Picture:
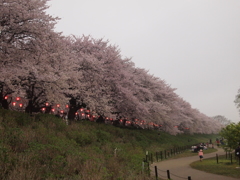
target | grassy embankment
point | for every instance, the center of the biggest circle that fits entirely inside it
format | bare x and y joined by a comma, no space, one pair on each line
44,147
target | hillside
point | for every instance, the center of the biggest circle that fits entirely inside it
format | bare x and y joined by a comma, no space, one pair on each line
44,147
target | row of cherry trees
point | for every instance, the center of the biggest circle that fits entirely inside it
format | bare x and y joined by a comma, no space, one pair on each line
42,66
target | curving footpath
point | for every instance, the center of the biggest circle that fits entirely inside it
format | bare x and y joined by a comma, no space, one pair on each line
180,168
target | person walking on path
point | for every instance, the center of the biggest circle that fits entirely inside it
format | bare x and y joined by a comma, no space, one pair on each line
200,154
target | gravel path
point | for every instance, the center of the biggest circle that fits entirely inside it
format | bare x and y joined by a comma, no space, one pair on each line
180,168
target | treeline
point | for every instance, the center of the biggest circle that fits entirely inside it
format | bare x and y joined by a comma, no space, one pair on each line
39,66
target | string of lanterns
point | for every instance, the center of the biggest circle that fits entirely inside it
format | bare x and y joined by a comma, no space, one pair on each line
83,113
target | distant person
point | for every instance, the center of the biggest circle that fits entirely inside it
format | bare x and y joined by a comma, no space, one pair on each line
200,154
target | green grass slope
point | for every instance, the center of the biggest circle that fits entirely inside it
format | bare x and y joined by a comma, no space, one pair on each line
44,147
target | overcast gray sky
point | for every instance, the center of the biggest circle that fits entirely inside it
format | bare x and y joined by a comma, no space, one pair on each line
194,45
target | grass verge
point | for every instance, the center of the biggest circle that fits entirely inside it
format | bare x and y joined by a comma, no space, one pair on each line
223,167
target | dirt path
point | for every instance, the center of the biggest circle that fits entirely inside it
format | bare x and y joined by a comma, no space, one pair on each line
180,168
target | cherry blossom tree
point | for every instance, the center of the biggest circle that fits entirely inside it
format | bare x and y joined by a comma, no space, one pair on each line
29,51
24,26
87,85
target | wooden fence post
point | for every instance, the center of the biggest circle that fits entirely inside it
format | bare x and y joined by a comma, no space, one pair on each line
168,174
146,156
156,173
151,157
148,169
